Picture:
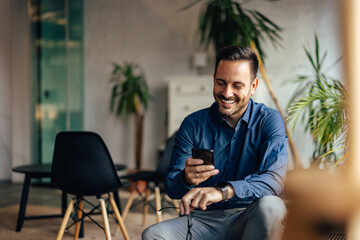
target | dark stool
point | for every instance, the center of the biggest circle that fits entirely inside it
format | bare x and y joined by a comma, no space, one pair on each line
38,171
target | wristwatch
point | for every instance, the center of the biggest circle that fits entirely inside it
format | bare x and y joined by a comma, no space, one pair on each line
224,188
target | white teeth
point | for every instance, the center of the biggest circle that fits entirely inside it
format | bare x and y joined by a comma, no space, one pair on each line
227,102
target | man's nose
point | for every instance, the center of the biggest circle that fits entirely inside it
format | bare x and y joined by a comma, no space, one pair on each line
228,92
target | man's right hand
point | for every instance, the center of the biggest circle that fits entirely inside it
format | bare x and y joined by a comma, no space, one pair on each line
196,173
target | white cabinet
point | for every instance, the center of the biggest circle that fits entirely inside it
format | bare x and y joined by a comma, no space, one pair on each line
187,94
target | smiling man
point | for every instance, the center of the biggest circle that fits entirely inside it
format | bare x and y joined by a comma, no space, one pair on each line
237,197
234,83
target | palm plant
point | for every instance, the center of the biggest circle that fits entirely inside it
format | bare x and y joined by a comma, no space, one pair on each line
226,22
321,103
130,96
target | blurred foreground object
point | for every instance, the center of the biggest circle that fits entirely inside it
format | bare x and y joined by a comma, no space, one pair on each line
319,203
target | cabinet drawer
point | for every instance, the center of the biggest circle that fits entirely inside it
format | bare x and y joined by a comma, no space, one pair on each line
185,106
186,95
191,89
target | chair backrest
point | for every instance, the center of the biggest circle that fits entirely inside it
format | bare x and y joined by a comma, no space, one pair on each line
164,162
82,165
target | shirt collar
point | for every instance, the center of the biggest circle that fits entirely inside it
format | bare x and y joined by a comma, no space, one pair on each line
246,116
217,116
215,113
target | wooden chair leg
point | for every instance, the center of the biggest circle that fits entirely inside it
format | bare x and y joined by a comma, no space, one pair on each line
105,219
79,216
146,205
65,220
158,204
118,217
128,204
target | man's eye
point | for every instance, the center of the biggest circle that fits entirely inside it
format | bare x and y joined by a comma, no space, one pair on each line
221,83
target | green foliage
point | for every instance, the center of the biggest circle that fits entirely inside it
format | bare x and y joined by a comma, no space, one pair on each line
225,22
130,94
322,104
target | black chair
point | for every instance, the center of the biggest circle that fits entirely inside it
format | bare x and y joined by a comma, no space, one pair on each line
82,166
148,177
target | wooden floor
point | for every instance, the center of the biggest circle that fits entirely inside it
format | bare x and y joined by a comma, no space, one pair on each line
43,195
11,193
40,195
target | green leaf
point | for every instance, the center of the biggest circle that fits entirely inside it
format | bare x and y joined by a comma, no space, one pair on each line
311,60
317,51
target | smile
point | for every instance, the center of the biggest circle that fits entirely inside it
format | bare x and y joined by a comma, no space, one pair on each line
227,101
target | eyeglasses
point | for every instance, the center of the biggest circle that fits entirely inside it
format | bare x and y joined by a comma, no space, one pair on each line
189,222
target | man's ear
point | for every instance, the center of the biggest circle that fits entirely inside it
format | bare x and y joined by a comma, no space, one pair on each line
254,86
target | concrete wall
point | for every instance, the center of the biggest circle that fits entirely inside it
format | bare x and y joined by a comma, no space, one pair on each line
15,88
162,39
21,87
5,89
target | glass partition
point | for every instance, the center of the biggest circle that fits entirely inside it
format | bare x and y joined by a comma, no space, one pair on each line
57,40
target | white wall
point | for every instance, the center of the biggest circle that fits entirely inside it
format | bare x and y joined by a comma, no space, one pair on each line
5,89
161,39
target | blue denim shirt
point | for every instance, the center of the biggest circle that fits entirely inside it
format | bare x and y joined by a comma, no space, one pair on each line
252,157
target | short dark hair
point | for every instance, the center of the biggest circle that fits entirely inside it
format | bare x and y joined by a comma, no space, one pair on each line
233,53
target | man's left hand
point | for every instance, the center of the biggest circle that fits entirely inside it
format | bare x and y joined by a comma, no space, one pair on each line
201,198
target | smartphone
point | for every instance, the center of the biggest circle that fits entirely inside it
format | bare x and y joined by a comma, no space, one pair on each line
207,155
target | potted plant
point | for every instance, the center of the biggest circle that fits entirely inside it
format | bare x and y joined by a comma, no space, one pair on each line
226,22
130,96
321,102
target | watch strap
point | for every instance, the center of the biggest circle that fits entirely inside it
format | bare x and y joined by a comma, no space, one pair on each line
224,188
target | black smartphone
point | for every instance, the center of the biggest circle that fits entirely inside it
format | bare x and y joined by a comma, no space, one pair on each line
207,155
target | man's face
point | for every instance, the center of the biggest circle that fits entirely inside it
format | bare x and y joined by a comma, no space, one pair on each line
233,87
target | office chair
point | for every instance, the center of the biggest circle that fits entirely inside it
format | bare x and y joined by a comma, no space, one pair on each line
155,177
82,166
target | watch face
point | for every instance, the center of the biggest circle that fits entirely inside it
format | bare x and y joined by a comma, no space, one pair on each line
221,185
